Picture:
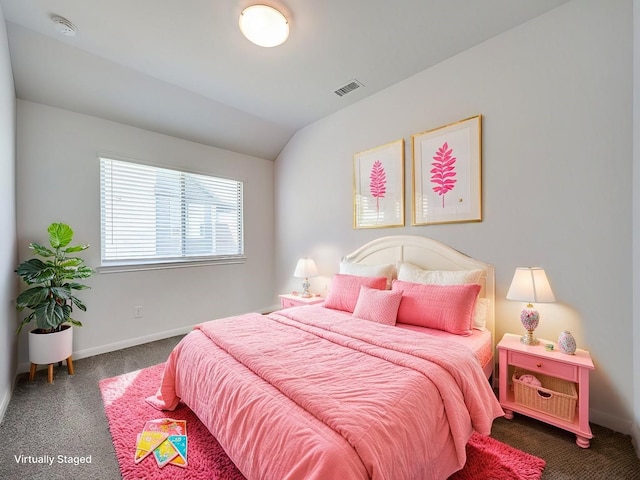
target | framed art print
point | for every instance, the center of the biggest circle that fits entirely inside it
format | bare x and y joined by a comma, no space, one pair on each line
447,173
378,186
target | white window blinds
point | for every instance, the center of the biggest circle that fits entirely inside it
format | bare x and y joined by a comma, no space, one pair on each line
156,215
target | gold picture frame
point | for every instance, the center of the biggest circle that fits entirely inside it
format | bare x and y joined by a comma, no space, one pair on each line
447,173
378,186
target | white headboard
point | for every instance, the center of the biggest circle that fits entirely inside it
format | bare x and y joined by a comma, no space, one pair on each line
428,254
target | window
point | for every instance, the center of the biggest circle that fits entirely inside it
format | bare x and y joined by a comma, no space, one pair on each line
152,215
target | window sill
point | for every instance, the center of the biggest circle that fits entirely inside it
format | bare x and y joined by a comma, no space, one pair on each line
138,267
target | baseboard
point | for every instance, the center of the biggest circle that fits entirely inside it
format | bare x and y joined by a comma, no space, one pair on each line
270,309
635,437
112,347
617,424
4,404
131,342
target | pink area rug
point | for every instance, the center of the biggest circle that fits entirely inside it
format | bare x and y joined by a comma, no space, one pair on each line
126,410
488,458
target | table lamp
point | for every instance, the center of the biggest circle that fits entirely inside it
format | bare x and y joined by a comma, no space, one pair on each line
305,268
530,284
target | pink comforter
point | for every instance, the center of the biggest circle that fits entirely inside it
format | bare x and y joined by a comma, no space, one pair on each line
312,393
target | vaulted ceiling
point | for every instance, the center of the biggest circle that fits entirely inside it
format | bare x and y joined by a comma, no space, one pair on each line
183,68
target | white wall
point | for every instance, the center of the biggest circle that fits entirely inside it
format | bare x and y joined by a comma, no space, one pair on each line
8,246
58,180
556,95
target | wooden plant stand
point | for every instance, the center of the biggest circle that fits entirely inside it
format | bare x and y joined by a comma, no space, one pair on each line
34,366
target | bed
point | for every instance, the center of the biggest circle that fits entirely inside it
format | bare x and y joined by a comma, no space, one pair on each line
316,392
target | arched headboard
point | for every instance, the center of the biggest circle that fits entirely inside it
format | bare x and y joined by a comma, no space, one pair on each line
428,254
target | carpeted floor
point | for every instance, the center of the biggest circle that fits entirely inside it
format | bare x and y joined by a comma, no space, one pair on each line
67,418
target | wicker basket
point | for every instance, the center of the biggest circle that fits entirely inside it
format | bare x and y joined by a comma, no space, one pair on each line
555,397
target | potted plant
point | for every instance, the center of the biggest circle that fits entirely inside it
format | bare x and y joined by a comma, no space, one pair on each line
51,297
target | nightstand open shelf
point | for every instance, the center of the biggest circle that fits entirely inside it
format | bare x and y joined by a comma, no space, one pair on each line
535,359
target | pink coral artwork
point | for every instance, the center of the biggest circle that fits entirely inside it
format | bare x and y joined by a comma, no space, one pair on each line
378,184
443,171
447,173
378,180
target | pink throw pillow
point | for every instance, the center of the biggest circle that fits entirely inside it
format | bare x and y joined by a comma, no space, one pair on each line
443,307
345,289
380,306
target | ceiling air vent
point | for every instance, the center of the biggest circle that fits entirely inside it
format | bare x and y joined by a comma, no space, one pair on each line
349,87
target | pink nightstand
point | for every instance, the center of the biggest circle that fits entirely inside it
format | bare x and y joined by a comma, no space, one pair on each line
288,300
535,359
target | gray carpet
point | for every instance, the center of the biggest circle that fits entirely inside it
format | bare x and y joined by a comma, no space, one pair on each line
67,419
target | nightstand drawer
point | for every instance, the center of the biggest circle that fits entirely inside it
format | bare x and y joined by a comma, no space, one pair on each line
287,302
544,365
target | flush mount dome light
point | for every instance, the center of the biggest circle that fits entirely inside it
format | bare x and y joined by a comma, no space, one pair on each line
264,26
64,26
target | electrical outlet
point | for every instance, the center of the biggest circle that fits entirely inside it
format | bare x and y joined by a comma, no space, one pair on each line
137,312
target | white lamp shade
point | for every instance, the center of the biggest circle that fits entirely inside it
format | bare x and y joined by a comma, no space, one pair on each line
305,268
531,285
263,25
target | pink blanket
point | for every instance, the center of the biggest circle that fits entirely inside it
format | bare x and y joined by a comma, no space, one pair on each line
312,393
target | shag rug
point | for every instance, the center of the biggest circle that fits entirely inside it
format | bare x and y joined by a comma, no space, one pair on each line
127,411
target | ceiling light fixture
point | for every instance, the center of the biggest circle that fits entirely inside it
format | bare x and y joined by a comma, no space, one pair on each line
265,26
64,26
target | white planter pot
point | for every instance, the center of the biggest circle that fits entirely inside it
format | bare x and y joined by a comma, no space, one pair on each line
46,348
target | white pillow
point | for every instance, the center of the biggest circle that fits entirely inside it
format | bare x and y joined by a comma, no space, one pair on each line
480,314
361,270
408,272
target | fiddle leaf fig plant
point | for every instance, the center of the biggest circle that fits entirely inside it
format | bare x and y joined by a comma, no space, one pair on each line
51,296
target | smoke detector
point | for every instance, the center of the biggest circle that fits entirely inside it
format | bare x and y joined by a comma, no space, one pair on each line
64,26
